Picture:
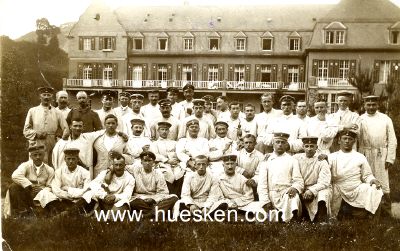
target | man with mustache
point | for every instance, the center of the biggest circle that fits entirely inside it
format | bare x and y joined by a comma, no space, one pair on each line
152,109
137,142
166,116
187,104
42,122
136,103
62,102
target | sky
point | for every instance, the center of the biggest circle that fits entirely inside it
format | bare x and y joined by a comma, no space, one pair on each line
18,17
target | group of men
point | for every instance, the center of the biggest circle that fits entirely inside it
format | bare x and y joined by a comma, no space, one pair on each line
174,155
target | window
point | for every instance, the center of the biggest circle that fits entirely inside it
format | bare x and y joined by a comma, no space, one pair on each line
138,43
294,44
212,72
267,44
266,73
162,72
384,71
329,37
87,44
239,73
339,37
162,44
188,44
107,72
323,69
240,44
107,43
293,73
394,37
187,72
87,71
214,44
137,72
334,37
344,68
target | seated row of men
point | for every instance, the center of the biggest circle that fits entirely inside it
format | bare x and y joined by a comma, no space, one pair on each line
310,184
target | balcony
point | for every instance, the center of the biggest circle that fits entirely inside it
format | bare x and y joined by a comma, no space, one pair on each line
201,85
332,82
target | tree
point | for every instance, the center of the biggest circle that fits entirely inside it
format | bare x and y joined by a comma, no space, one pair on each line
364,82
44,30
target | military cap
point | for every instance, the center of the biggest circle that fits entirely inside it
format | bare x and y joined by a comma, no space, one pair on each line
156,90
309,140
350,133
223,123
208,98
188,86
107,94
71,151
192,122
371,98
164,102
164,124
136,121
36,147
229,157
45,89
287,98
125,94
198,102
281,135
344,94
147,154
137,96
173,89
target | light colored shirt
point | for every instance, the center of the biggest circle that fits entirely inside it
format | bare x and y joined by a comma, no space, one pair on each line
207,129
69,185
25,175
187,148
263,120
234,188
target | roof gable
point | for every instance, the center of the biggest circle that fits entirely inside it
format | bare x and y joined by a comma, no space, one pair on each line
335,26
214,34
267,34
163,35
294,34
188,34
240,35
395,26
136,34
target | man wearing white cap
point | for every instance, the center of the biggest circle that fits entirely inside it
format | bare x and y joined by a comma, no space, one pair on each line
62,102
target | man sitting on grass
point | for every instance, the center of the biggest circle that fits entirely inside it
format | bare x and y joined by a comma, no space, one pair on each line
317,178
356,192
200,189
31,185
280,181
151,190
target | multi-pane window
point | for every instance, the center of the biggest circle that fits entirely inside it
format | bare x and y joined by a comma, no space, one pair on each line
384,71
138,43
266,73
188,44
339,37
323,69
212,72
214,44
107,43
162,44
344,68
137,72
162,72
87,44
293,73
87,71
334,37
239,73
267,44
329,37
240,44
187,72
107,72
394,37
294,44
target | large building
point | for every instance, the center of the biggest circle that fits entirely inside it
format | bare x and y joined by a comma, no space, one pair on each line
238,51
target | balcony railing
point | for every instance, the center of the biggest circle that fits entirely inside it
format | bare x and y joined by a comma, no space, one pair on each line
210,85
333,82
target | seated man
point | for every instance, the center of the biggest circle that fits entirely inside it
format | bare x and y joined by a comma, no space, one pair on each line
280,181
200,189
113,187
317,178
220,146
70,182
137,142
31,185
236,193
168,162
151,190
356,192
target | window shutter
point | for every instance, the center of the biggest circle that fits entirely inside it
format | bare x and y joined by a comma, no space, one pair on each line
220,72
100,71
130,66
353,67
205,72
195,78
79,72
100,43
393,72
80,43
144,72
285,73
247,73
113,43
231,73
115,71
335,68
169,71
301,73
154,72
257,73
274,70
331,66
315,68
93,43
179,72
94,71
376,71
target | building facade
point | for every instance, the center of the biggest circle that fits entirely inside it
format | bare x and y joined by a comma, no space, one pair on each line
240,52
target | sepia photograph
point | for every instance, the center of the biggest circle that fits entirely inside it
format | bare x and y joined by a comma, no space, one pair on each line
200,125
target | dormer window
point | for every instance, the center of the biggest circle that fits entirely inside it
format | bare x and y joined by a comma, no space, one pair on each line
267,41
294,41
335,33
394,33
240,41
163,41
188,41
214,41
